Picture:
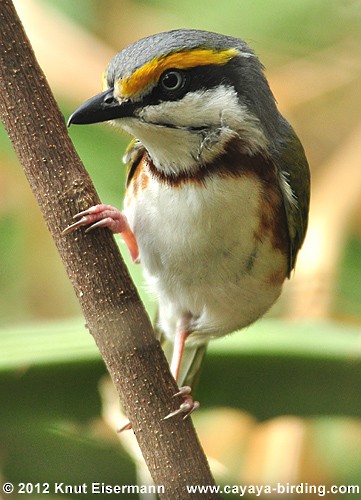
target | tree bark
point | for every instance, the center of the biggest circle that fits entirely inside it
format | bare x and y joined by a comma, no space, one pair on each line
113,311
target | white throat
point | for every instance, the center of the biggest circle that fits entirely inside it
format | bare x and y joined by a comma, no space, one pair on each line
181,135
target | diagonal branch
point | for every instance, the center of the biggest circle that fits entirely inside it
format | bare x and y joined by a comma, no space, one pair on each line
114,314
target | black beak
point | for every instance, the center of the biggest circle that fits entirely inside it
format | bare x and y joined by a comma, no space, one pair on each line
101,108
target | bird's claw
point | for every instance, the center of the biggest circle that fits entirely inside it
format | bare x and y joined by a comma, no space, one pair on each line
185,390
88,211
74,226
100,216
187,407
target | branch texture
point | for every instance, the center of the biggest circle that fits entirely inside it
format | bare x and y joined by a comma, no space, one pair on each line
113,311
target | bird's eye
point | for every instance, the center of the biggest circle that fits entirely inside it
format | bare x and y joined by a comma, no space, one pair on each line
172,80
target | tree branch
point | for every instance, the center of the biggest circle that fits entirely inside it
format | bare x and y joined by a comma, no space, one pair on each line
114,314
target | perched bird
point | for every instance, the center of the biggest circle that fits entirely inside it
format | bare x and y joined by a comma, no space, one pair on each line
218,184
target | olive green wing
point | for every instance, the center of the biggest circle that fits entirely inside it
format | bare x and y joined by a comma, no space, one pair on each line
294,178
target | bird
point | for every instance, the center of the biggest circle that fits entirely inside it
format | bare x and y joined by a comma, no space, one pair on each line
217,191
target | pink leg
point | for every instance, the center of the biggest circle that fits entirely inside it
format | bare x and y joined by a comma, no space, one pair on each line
106,216
188,405
181,336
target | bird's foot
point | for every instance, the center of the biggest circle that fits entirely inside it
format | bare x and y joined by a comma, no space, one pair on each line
106,216
187,407
99,216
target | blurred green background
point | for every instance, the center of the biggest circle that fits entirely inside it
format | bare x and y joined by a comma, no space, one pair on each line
280,402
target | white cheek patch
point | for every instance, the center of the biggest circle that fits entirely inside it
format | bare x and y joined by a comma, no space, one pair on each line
169,130
197,109
216,109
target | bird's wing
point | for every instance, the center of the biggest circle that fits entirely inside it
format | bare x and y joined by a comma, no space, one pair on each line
294,178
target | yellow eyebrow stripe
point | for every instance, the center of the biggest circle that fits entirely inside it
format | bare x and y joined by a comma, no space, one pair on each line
150,72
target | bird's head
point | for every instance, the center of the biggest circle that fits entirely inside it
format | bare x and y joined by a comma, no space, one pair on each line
185,94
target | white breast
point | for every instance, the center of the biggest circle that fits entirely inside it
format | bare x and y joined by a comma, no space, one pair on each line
199,253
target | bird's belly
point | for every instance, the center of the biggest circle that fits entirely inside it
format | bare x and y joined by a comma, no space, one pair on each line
202,253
